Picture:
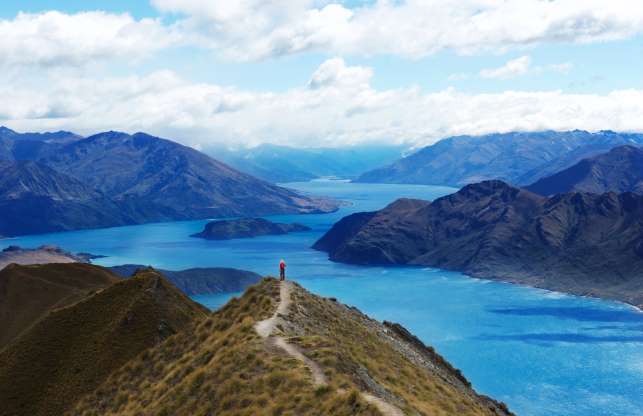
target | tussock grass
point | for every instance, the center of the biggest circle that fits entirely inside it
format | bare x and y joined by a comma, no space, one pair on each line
352,348
221,367
73,350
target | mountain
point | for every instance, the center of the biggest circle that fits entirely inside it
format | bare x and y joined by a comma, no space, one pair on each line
246,228
29,293
72,350
259,356
619,170
35,198
288,164
518,158
113,179
199,281
32,146
169,180
580,243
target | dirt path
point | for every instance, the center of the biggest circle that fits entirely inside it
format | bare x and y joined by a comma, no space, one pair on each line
385,408
265,329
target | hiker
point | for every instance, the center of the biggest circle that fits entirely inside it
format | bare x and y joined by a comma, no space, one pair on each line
282,270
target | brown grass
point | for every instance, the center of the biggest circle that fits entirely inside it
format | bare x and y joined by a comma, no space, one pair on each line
71,351
347,345
221,367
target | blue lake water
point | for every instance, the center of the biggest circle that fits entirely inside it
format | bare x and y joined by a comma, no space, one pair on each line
541,352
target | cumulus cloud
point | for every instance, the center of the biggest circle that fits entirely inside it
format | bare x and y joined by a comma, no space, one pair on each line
338,106
255,29
334,72
514,67
53,38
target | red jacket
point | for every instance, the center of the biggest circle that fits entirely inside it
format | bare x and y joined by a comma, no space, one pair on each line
282,265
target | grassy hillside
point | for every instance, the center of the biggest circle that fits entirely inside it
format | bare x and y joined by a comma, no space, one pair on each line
28,293
72,350
224,367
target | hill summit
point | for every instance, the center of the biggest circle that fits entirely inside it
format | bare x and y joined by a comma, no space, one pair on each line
140,347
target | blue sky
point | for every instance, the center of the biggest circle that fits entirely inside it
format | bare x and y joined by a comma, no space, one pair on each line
208,70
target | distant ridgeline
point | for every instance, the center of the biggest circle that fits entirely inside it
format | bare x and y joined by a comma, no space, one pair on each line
287,164
97,344
517,158
60,181
577,242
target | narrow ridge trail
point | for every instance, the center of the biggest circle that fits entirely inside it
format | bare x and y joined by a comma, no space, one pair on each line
265,329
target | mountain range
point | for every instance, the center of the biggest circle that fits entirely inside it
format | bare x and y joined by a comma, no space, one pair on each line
519,158
139,346
619,170
580,243
113,178
281,164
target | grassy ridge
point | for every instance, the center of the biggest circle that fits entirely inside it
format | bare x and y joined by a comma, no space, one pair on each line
72,350
374,357
28,293
221,367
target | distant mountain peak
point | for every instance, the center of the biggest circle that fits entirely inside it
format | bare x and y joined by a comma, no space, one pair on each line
519,158
619,170
6,130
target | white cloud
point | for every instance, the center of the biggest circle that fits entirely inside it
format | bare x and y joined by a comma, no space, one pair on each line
513,68
53,38
342,109
335,73
255,29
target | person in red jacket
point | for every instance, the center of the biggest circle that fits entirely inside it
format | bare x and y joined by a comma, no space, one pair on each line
282,270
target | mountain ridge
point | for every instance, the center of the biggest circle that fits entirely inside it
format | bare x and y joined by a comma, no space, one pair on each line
619,170
113,179
579,243
519,158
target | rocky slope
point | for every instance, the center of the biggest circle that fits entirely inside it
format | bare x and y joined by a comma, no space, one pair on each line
73,349
200,281
517,158
113,179
619,170
32,146
246,228
224,367
29,293
585,244
175,181
35,198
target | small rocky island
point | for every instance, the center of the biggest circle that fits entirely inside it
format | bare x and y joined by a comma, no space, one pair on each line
246,228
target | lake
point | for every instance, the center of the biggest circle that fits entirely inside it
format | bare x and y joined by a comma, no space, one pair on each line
543,353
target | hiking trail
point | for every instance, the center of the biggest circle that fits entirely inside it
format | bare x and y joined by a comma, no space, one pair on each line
265,329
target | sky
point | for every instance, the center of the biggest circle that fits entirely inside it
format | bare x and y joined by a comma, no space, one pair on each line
311,73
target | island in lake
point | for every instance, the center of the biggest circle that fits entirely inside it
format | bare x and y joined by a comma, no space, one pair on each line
246,228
